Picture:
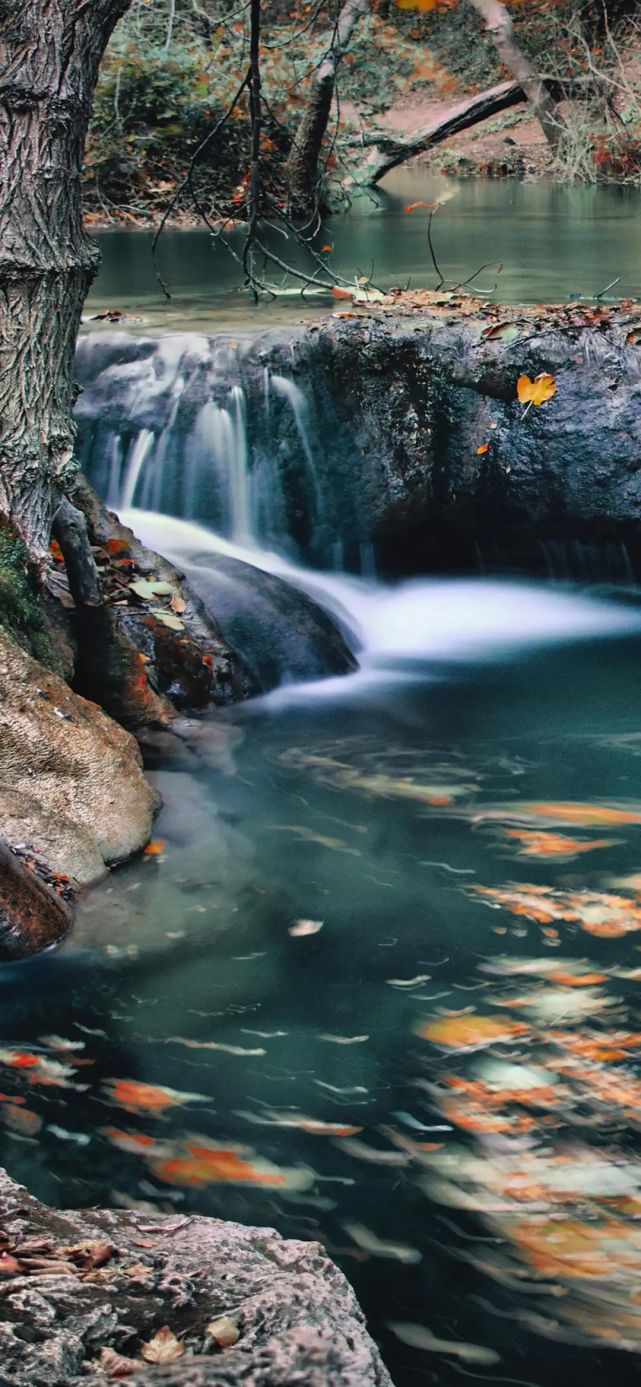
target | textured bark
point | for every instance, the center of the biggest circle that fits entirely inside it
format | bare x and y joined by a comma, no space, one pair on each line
302,165
50,51
386,151
70,530
501,30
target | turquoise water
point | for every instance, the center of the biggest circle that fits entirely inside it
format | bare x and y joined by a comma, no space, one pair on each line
553,242
378,985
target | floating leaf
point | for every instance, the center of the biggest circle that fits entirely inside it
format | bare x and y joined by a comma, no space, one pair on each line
155,847
458,1032
304,927
138,1097
484,448
163,1348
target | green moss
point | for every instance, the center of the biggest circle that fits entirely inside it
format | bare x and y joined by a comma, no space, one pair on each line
19,611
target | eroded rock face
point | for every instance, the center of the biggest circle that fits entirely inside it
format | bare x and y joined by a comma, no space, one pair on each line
32,917
71,786
363,434
114,1279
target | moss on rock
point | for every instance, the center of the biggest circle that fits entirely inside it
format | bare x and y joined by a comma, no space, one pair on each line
19,611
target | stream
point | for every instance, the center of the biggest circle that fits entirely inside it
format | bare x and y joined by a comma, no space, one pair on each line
375,982
554,243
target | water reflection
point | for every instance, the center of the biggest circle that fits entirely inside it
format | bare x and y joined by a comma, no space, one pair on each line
554,243
379,988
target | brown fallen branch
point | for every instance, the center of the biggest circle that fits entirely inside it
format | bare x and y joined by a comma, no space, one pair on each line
385,151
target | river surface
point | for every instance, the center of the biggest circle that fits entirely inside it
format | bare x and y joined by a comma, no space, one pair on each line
377,981
554,243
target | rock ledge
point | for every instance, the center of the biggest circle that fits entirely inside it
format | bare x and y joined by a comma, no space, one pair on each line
73,1284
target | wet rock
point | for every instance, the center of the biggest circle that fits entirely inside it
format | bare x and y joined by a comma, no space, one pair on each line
363,434
137,667
297,1317
279,632
32,917
71,786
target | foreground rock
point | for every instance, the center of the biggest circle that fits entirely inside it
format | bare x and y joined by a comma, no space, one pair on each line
280,634
72,789
79,1288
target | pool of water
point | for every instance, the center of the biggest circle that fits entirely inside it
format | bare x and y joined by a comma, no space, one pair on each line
554,243
377,984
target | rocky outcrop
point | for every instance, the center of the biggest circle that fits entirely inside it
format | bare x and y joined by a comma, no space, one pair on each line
400,432
82,1291
72,789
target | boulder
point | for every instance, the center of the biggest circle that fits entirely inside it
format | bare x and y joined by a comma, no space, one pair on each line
98,1283
72,789
32,917
280,634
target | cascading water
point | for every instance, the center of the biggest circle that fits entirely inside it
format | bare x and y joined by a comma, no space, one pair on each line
200,428
139,452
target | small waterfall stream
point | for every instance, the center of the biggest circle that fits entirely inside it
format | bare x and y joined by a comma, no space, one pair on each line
201,429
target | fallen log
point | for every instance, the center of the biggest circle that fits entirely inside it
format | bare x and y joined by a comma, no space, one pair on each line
386,151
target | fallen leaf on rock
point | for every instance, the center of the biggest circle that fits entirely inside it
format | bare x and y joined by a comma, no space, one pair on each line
163,1348
92,1252
537,391
115,1365
224,1330
144,588
177,603
167,618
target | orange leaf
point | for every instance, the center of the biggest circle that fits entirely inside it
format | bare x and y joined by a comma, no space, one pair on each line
459,1032
484,448
411,206
155,847
341,293
535,392
326,248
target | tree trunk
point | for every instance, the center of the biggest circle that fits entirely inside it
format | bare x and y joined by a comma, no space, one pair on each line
302,165
500,28
50,52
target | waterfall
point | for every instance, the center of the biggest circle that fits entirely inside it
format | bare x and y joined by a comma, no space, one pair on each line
241,528
139,452
202,428
401,627
291,392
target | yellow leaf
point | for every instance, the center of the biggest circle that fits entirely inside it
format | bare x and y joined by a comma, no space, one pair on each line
535,392
484,448
163,1348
